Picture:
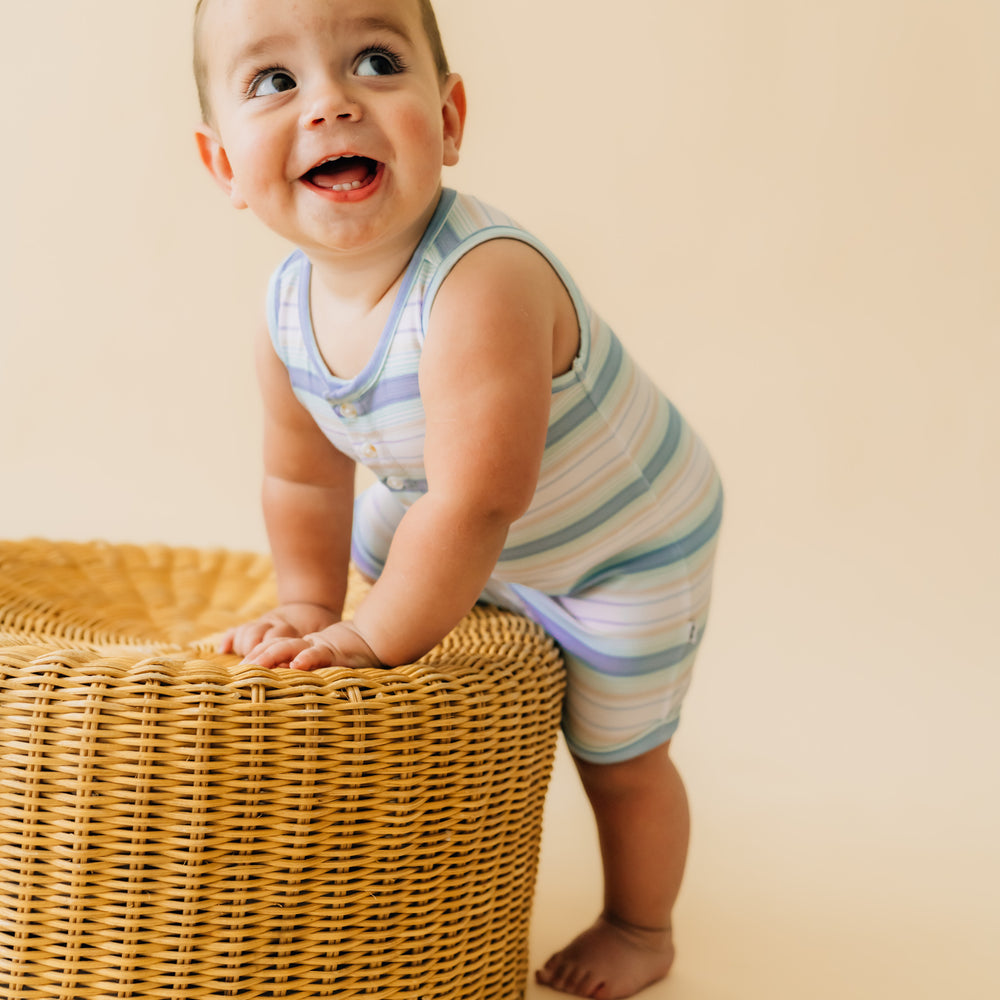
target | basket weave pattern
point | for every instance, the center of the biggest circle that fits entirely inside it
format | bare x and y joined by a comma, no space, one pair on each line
173,824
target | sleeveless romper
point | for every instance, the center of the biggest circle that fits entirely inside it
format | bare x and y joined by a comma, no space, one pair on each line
614,556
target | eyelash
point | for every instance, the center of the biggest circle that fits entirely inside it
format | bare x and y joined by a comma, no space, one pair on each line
384,50
400,64
254,79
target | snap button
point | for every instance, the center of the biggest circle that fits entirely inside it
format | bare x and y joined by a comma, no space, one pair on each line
395,482
348,411
369,451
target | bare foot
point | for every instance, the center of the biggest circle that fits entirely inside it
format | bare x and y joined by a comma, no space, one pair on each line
609,961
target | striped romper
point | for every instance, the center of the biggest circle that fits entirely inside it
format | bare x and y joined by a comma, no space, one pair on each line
614,556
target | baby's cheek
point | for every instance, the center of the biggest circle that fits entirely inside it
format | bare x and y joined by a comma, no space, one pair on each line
419,131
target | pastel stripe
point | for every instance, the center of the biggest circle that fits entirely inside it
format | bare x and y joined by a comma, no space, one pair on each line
613,556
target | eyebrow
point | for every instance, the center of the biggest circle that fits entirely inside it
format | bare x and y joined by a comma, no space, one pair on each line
255,51
381,24
262,46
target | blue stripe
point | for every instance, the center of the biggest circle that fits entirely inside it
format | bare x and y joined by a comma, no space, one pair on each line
389,391
447,239
636,489
409,486
308,381
596,395
654,738
566,631
664,455
334,389
667,555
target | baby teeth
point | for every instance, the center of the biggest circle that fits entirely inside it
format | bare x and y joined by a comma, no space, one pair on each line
353,186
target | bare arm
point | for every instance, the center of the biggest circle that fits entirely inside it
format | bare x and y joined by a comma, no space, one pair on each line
485,382
308,495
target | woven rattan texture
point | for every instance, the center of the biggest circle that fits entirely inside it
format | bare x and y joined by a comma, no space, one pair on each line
173,824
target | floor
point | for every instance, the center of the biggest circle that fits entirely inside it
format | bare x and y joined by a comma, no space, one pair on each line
807,910
846,839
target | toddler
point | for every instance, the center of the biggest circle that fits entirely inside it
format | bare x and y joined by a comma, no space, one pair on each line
521,456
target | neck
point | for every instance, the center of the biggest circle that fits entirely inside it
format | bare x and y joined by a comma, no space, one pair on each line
358,280
356,286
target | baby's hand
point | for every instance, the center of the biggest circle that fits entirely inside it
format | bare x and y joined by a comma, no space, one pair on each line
287,620
340,645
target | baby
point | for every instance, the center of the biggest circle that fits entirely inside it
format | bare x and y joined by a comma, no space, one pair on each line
521,456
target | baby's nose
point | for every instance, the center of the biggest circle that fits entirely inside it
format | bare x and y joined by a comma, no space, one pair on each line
332,104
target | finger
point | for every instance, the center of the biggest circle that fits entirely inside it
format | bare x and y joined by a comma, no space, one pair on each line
280,630
255,634
226,642
246,637
235,641
274,652
313,658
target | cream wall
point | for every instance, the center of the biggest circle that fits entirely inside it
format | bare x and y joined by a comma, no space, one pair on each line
790,212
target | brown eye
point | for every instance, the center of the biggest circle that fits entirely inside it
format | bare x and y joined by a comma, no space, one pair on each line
275,81
378,63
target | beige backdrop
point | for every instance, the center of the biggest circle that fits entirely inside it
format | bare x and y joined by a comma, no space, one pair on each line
790,212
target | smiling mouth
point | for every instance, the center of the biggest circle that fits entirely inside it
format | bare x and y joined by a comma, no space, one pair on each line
343,173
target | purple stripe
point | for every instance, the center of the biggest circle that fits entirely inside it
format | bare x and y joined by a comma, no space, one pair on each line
547,612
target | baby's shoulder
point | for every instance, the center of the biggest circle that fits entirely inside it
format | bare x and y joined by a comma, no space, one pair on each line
499,271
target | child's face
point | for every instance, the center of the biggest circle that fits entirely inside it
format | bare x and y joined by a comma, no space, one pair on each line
295,86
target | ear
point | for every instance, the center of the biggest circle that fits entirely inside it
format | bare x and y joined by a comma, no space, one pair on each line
213,155
453,113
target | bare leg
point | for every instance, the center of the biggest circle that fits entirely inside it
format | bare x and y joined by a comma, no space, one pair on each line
643,825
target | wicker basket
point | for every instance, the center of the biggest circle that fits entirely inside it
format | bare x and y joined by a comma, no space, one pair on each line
175,825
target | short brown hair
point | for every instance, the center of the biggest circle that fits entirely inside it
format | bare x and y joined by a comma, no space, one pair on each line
427,16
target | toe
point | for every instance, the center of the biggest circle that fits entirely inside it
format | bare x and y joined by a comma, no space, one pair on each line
549,974
557,974
562,977
576,982
585,985
573,979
